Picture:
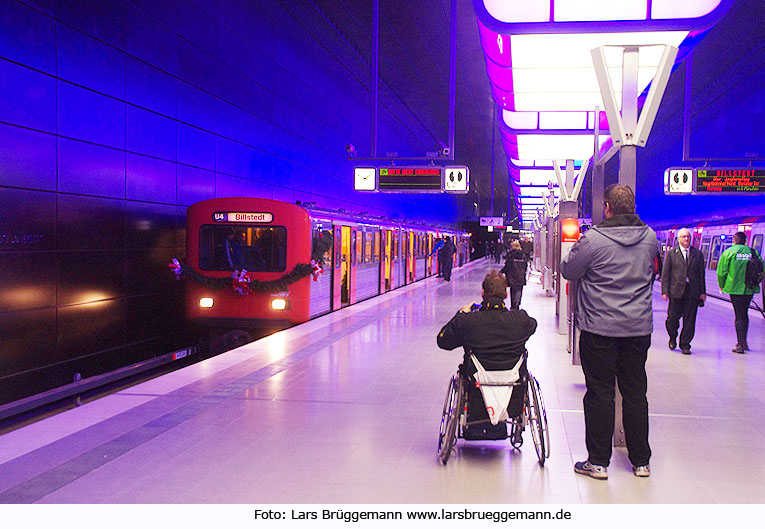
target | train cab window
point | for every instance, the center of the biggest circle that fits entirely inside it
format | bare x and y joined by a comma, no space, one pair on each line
243,247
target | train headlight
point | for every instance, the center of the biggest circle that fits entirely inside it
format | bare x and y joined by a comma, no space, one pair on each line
278,304
206,303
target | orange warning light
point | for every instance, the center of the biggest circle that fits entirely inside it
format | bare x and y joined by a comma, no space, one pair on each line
569,229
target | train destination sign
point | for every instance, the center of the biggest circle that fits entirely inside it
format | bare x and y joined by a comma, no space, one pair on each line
427,179
739,181
224,216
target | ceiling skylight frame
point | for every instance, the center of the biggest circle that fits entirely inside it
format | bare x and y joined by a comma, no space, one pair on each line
497,41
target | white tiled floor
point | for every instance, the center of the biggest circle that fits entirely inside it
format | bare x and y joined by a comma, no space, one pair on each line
346,408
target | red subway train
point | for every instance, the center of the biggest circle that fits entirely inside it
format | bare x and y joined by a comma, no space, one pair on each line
253,263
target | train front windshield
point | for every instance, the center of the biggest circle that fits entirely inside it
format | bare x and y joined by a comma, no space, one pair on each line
243,247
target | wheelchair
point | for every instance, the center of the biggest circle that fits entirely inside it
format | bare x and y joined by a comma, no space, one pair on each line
455,419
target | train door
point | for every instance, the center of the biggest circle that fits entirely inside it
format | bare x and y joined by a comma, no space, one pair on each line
345,267
705,249
405,257
670,241
397,271
386,259
696,239
355,259
757,243
341,268
715,252
428,260
412,256
336,269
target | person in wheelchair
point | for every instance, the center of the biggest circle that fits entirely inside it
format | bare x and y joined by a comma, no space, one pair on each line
497,337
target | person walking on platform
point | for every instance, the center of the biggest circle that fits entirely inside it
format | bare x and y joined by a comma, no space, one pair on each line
515,272
446,254
731,277
437,252
683,284
613,263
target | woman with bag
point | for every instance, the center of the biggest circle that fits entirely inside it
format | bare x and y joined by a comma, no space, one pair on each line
515,273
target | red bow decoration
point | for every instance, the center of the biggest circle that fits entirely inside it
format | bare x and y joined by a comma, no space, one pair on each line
240,282
316,269
176,267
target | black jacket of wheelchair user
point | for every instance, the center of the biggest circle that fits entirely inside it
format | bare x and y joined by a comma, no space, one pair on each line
496,336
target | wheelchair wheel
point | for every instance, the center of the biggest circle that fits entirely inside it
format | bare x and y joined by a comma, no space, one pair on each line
538,420
447,434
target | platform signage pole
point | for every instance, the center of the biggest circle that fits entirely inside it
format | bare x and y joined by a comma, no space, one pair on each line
568,223
547,269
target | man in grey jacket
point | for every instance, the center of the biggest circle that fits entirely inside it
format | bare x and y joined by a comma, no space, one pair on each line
613,263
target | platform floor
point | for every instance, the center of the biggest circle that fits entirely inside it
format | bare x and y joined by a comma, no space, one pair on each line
346,409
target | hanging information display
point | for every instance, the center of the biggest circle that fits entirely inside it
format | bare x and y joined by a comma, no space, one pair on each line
737,181
410,179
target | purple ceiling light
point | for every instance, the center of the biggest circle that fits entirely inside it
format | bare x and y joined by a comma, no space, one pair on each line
541,75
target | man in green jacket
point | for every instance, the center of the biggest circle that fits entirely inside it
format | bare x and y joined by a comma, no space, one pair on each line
731,272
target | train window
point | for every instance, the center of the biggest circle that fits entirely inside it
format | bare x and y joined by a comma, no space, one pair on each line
243,247
321,250
376,248
338,247
757,243
368,242
395,244
705,251
355,249
714,251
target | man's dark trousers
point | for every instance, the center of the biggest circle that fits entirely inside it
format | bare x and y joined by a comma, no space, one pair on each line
685,308
604,361
446,268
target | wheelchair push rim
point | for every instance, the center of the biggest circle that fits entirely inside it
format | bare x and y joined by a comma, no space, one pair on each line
447,434
537,420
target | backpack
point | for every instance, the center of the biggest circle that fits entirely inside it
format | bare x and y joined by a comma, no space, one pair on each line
754,271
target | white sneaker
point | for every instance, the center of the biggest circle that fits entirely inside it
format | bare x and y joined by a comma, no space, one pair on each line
588,469
643,471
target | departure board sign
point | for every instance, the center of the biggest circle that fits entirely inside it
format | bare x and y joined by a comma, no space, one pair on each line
735,181
410,179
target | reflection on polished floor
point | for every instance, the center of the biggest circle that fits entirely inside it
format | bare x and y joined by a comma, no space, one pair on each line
346,409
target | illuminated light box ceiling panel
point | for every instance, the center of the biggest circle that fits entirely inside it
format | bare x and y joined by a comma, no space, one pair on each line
541,76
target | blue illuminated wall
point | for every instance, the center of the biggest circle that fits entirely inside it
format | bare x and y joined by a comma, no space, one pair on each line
728,120
115,116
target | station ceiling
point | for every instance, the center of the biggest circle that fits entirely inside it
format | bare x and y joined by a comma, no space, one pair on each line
525,81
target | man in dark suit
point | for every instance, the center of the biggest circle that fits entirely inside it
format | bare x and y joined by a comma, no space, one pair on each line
682,283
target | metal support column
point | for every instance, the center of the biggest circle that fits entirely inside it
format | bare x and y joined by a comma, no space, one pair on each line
627,132
598,175
628,152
